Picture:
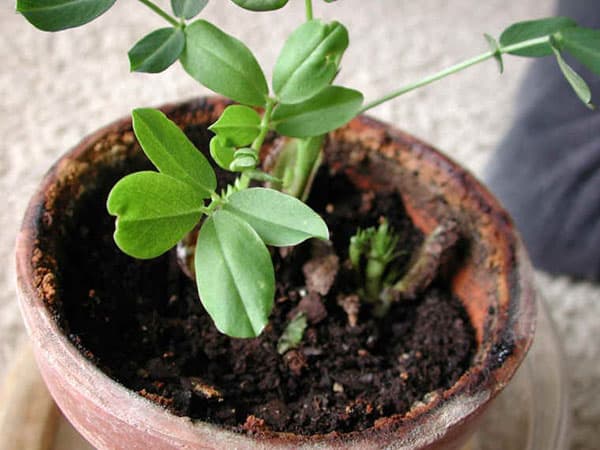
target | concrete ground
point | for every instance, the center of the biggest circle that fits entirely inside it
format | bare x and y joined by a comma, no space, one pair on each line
56,88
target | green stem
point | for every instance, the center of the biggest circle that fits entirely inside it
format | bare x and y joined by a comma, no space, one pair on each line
308,160
373,273
309,9
244,180
264,125
453,69
158,10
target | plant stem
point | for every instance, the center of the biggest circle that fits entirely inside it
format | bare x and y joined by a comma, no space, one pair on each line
308,160
455,68
158,10
265,122
430,79
309,9
264,125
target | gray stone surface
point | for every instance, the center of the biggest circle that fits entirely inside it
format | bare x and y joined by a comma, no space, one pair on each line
55,88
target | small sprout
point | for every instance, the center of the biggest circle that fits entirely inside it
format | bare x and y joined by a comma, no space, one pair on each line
293,333
371,253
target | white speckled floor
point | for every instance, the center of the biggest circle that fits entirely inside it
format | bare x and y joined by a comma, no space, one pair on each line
55,88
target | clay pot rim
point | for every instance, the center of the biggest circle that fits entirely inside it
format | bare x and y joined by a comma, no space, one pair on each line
488,382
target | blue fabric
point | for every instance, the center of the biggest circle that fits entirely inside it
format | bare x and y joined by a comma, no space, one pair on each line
546,170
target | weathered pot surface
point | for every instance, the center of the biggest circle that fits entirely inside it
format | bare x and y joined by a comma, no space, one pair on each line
495,285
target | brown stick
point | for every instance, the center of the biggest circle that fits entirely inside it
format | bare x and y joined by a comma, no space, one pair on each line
426,262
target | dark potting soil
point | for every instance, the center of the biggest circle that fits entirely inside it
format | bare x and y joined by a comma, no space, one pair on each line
143,324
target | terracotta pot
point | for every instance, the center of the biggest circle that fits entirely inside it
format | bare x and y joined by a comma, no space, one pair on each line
495,285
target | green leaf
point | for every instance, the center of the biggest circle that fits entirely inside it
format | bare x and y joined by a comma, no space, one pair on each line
577,83
531,29
260,5
157,51
309,60
171,151
495,47
154,212
329,109
224,64
279,219
238,124
186,9
293,333
584,45
56,15
222,152
234,274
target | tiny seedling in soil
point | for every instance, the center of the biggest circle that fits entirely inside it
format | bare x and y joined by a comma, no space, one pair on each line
234,272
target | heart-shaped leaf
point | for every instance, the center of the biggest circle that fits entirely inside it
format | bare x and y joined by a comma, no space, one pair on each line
234,274
222,152
584,45
186,9
309,60
154,211
224,64
56,15
171,151
238,124
157,51
260,5
279,219
331,108
531,29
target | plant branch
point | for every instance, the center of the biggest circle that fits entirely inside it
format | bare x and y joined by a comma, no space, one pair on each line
309,9
264,125
158,10
244,179
453,69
